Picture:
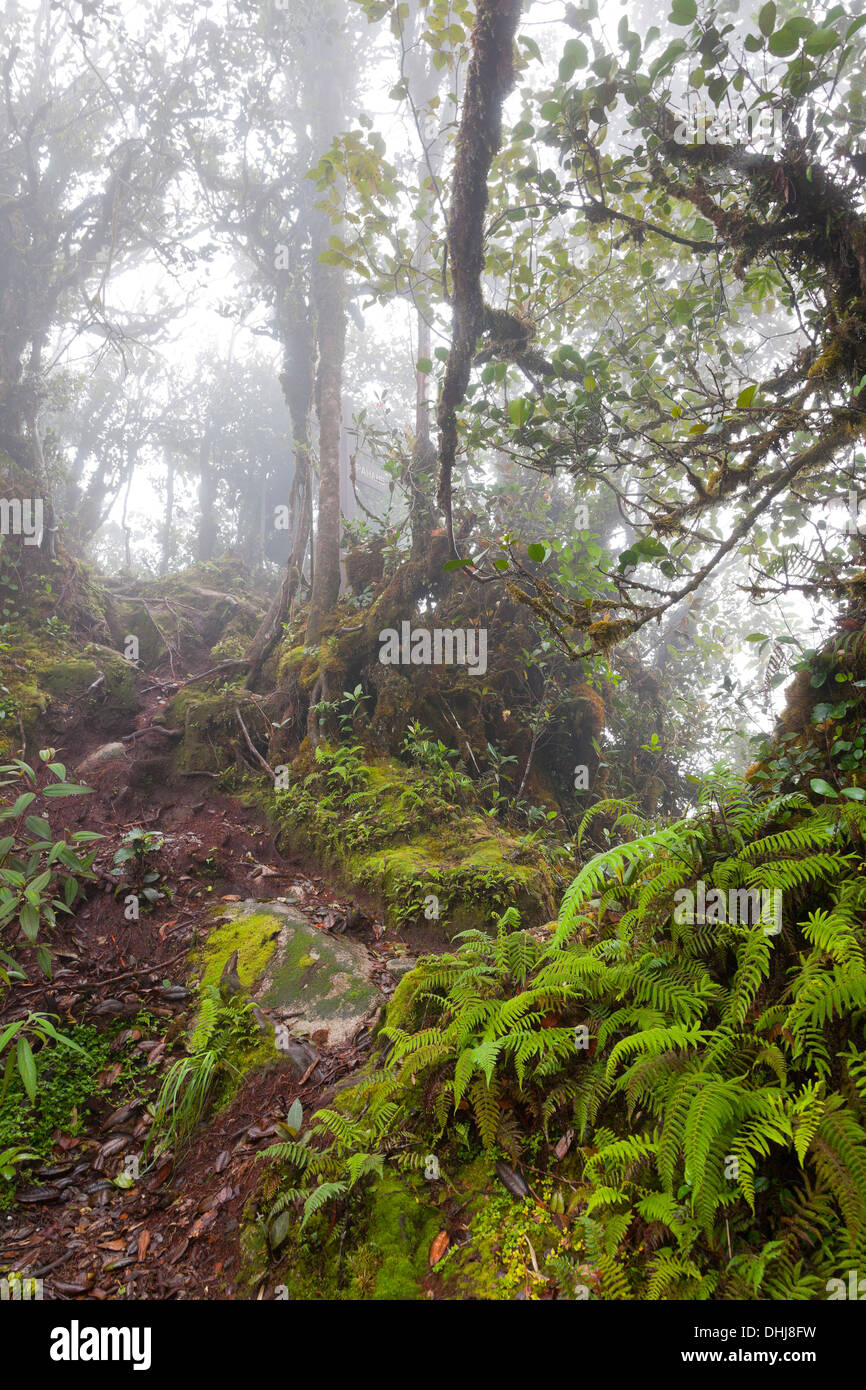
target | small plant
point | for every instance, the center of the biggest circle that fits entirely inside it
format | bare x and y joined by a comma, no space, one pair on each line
39,874
420,747
136,851
192,1081
345,710
39,1026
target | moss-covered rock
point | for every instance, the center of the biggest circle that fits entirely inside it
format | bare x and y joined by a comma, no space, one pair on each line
207,606
320,984
49,681
210,728
375,833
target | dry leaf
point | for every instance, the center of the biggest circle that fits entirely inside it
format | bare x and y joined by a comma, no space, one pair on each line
439,1246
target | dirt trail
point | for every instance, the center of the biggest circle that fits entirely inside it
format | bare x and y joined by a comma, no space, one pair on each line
174,1233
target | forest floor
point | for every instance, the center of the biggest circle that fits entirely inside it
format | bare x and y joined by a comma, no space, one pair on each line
175,1233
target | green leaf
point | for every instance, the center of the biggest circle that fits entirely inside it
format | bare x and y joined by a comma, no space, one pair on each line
767,18
9,1033
821,41
746,397
29,920
822,788
27,1067
65,789
784,42
519,410
536,551
854,793
37,825
424,365
574,56
683,12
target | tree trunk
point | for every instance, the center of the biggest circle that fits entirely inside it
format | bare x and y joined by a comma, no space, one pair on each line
296,380
207,491
168,520
329,291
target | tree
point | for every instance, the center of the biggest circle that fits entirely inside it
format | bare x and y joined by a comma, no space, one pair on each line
81,199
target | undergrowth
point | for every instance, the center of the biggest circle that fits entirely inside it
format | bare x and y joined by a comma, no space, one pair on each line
703,1074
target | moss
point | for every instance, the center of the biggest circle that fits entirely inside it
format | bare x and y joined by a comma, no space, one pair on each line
378,1250
50,669
326,978
254,938
69,679
290,663
209,728
400,1231
66,680
230,648
507,1238
384,845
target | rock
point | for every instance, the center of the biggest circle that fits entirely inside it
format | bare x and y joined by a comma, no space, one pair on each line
399,966
106,753
323,982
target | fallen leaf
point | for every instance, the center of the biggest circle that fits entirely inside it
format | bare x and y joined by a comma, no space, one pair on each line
564,1144
511,1180
438,1247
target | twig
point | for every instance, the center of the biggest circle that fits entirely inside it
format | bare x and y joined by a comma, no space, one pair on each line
252,747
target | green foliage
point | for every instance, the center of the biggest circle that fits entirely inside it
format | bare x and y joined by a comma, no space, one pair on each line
192,1082
40,1028
55,1094
712,1070
39,874
137,850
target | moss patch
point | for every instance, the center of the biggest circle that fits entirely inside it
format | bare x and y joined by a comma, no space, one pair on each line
379,1250
371,824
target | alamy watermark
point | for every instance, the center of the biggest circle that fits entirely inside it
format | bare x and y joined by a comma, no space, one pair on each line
20,1288
441,647
22,516
855,1287
748,906
737,125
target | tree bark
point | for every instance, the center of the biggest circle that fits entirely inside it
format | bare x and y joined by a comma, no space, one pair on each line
207,491
330,300
490,79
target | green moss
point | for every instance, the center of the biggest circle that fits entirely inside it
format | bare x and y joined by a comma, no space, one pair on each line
66,680
374,832
209,725
290,663
65,1090
507,1237
254,938
378,1251
401,1230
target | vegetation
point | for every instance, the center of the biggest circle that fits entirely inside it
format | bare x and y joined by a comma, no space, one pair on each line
433,648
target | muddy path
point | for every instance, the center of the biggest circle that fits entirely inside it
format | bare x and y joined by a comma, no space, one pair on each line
172,1231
